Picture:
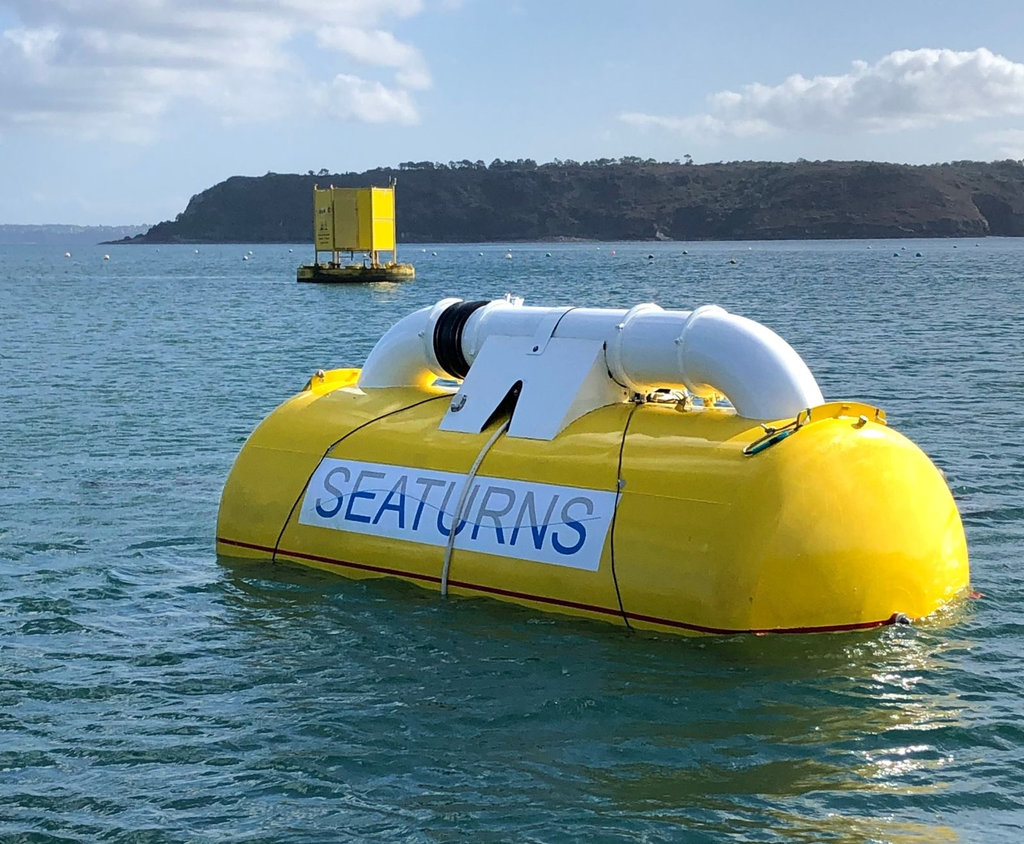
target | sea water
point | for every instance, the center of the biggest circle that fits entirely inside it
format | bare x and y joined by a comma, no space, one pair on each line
151,692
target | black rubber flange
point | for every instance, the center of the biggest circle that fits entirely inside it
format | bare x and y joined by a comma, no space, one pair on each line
448,337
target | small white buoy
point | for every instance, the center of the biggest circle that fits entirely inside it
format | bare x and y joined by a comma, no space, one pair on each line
508,256
245,257
197,252
106,257
67,254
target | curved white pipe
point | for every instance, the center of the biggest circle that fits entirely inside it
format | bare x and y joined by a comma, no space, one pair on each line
404,356
759,372
707,350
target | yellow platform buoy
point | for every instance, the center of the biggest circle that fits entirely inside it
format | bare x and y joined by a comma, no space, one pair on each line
355,220
581,460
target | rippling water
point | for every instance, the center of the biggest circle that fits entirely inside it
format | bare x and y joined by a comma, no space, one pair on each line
150,692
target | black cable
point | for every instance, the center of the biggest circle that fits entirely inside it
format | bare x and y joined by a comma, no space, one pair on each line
329,449
620,483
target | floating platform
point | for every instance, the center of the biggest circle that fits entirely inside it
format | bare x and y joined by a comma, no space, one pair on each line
583,461
354,220
355,273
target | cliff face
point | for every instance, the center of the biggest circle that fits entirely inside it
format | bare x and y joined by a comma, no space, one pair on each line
630,199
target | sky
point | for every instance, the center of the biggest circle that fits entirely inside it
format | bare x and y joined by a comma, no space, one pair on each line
116,112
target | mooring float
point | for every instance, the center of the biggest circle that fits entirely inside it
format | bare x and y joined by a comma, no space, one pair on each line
661,469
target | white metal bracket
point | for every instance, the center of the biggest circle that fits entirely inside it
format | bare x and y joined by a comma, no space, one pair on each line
559,384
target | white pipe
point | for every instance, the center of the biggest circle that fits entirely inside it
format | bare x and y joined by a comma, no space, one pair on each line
759,372
707,350
404,356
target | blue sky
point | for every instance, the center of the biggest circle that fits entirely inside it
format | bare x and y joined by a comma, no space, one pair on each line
117,111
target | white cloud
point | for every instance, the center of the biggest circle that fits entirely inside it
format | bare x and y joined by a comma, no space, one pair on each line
700,124
907,89
1008,143
370,102
113,67
379,49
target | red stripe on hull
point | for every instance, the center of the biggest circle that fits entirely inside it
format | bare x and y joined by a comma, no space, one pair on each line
559,602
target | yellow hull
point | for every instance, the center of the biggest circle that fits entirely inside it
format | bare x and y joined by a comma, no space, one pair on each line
843,524
355,274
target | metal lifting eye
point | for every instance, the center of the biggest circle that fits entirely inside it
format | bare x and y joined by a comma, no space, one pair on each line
773,436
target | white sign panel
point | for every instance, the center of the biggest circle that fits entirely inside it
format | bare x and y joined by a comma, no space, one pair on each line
545,523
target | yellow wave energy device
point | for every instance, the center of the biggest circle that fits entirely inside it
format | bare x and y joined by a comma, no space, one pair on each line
583,460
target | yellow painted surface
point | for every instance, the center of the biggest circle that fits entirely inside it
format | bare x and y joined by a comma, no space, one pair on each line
328,381
323,220
382,219
271,471
354,219
346,219
844,523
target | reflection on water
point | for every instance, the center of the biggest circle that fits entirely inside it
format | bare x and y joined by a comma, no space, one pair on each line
641,726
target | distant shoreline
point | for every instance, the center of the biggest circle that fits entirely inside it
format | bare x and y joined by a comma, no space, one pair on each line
606,201
141,241
627,200
67,235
